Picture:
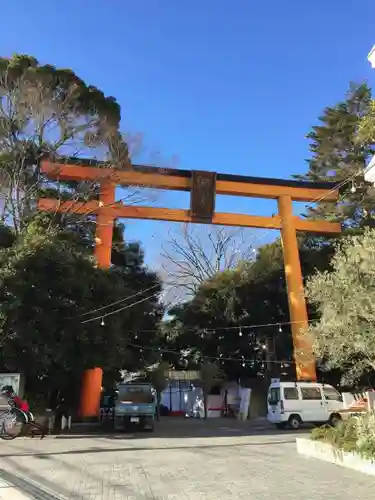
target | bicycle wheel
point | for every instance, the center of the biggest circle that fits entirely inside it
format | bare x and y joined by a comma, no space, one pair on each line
12,424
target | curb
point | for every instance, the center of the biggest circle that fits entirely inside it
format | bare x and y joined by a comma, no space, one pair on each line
328,453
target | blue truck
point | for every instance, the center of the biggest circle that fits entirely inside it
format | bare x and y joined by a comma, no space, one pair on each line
135,406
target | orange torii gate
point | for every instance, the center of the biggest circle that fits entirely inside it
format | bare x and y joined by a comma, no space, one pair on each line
203,186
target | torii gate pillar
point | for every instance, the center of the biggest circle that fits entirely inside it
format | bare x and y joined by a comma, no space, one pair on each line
92,378
204,186
302,341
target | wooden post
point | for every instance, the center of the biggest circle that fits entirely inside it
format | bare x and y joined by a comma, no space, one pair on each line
92,378
303,348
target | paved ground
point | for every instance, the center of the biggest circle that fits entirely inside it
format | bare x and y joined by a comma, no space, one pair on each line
182,460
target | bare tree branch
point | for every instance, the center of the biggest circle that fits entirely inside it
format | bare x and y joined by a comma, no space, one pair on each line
195,253
36,119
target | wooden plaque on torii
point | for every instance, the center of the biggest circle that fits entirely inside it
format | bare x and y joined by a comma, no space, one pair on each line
204,186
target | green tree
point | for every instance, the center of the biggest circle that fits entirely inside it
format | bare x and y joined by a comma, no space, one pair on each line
51,304
129,256
252,294
366,128
345,300
338,156
159,379
7,236
46,110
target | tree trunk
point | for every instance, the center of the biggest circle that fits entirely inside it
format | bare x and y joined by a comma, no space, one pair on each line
205,405
158,399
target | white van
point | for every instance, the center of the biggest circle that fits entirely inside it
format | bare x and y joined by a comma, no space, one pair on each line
292,403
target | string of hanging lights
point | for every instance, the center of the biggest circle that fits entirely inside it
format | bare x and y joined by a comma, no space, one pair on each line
240,359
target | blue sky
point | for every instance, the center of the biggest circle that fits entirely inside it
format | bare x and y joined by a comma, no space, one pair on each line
217,85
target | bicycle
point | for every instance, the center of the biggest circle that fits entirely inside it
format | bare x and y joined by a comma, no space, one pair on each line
16,423
12,421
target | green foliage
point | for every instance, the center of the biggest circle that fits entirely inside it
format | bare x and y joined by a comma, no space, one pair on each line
7,237
345,300
337,154
127,256
47,288
49,111
252,294
366,128
48,278
343,436
60,89
365,427
357,434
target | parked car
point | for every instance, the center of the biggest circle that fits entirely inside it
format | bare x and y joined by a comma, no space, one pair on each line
293,403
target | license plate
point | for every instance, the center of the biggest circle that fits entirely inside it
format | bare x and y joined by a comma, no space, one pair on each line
134,420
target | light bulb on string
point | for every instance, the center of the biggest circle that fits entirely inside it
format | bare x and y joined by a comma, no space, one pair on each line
280,329
240,332
353,189
102,322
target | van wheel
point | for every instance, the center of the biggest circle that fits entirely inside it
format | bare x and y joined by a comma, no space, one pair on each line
334,419
294,422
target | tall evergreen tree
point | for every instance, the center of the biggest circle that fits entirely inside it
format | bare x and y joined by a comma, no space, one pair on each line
50,111
338,156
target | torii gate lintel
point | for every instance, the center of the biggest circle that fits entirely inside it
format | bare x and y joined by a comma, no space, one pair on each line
204,186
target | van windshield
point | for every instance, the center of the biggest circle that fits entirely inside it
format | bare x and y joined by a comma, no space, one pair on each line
274,395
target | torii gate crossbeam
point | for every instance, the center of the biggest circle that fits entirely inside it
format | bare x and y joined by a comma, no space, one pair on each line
204,186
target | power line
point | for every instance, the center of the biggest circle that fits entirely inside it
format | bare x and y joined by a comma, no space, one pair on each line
212,329
244,327
224,328
118,310
125,298
337,186
121,300
217,358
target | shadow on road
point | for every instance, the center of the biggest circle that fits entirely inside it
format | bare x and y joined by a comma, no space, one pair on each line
168,428
174,427
98,449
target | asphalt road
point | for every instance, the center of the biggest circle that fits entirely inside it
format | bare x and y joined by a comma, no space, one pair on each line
182,460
